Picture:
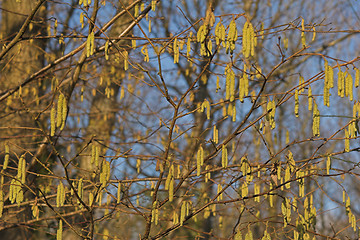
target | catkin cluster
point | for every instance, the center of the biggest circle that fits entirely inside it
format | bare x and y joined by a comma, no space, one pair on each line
85,3
16,193
61,114
60,195
90,44
316,120
206,105
328,83
243,84
230,83
169,183
220,34
249,40
232,37
270,116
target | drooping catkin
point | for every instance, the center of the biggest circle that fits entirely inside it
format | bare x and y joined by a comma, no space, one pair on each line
296,108
59,231
52,121
199,159
59,110
64,113
224,156
310,99
7,155
316,120
341,76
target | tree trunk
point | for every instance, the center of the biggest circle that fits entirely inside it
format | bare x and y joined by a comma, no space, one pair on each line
17,118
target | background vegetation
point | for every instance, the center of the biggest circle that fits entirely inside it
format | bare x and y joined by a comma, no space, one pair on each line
130,119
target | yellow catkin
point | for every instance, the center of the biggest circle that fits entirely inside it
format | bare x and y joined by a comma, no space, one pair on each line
126,60
227,85
22,169
271,197
82,19
209,48
310,99
59,195
171,189
357,77
1,202
90,45
153,5
208,174
219,192
202,33
341,81
105,173
133,43
271,108
234,113
246,40
243,85
328,164
215,135
182,213
208,110
347,83
106,50
303,38
314,34
224,157
59,110
138,164
175,218
316,121
176,50
232,37
301,82
349,86
246,81
330,73
199,159
59,231
252,39
145,52
80,188
96,156
326,72
220,34
296,108
188,46
64,113
326,96
347,141
136,13
206,105
230,83
118,200
287,137
229,111
257,192
244,189
7,155
287,177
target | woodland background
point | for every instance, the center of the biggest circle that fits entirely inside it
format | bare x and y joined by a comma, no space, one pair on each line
182,119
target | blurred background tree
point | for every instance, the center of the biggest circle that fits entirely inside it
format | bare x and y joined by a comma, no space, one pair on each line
130,119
